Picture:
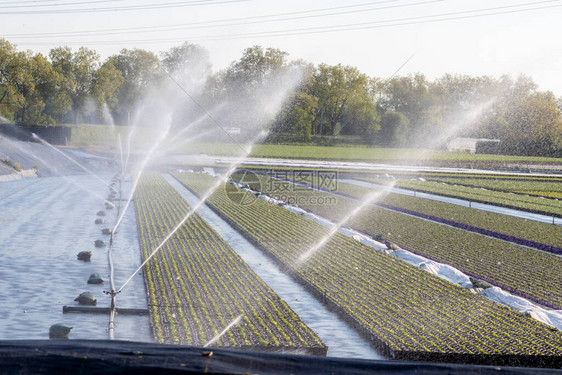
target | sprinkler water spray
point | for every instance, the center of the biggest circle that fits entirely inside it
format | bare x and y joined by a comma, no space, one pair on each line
224,331
69,158
369,199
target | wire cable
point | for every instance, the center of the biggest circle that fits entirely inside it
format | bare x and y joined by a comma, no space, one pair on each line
5,5
123,8
335,28
223,22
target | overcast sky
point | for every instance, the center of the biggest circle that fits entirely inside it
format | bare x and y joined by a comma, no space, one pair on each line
379,37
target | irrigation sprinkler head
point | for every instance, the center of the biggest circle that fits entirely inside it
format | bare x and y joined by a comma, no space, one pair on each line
86,298
95,278
111,293
99,243
84,256
59,331
100,213
100,221
106,231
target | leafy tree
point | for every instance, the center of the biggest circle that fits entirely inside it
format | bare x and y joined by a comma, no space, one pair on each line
254,89
394,129
297,116
408,95
534,126
10,97
336,87
361,118
49,85
35,80
190,67
140,69
405,95
31,85
105,85
466,103
78,70
254,70
188,60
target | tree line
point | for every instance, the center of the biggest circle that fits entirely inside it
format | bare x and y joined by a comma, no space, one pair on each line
327,101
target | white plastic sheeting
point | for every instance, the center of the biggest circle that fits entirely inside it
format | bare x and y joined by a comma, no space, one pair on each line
441,270
551,317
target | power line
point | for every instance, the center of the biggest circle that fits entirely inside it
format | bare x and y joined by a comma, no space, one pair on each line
33,1
346,27
202,25
123,8
219,22
35,5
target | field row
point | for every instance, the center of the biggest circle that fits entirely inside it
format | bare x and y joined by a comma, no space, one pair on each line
197,284
530,273
540,205
407,312
537,188
533,233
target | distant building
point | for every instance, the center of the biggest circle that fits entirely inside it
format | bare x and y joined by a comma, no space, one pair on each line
473,145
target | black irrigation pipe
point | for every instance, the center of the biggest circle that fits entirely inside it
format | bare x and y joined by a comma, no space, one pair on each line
466,227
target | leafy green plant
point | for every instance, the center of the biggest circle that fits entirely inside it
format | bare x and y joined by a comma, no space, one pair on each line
10,163
197,284
405,311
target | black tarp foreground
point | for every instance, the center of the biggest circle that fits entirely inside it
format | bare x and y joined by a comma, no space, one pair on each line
120,357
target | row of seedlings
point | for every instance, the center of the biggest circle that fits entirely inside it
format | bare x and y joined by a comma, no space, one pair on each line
520,202
521,270
525,229
197,284
406,312
550,188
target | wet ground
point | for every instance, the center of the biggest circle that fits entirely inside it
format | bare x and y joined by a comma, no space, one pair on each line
44,223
